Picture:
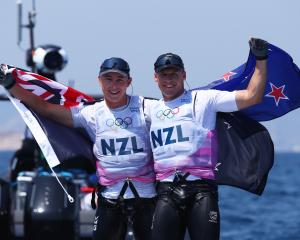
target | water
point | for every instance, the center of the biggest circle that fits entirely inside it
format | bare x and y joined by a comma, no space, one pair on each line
274,215
244,216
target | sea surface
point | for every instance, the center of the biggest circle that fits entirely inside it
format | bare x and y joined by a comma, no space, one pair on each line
273,216
244,216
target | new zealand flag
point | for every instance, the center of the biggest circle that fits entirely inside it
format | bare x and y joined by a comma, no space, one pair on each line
245,148
282,93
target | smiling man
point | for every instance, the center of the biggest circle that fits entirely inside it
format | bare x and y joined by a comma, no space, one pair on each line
184,146
119,130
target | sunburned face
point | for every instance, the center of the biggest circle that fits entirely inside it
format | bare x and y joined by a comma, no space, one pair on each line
114,86
171,82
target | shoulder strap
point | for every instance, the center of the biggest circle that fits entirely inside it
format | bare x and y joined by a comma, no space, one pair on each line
143,104
150,98
194,105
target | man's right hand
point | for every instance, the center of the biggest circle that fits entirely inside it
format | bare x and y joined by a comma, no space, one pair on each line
6,78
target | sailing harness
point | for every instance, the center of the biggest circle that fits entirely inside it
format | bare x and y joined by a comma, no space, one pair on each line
181,193
127,206
179,178
175,189
120,199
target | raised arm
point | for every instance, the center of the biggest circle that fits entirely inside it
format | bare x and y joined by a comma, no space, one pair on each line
256,87
52,111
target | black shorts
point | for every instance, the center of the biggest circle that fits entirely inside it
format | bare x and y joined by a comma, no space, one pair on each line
191,205
112,218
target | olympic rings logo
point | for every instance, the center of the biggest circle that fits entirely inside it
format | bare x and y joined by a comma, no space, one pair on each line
167,113
119,122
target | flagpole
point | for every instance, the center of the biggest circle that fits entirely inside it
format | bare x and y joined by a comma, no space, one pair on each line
31,24
30,51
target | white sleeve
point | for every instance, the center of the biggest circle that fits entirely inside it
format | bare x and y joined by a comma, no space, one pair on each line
76,116
147,110
223,101
84,117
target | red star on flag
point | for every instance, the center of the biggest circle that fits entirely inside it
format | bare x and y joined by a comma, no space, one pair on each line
228,75
277,93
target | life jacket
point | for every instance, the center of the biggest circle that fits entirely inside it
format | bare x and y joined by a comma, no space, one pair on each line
122,144
179,142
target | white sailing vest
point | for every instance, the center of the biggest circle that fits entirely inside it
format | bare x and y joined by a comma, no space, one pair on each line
179,142
122,144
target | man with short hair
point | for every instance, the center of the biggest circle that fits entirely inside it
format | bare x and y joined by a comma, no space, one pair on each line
118,126
183,140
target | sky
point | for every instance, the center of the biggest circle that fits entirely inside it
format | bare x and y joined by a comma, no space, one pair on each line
210,36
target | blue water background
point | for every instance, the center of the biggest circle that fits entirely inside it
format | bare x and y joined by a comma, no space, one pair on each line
244,216
273,216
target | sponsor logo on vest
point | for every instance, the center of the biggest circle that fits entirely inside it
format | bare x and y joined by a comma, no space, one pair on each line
110,146
134,109
185,100
119,122
167,113
157,138
213,216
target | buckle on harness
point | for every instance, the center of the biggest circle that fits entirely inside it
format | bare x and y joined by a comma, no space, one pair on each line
128,183
120,200
180,177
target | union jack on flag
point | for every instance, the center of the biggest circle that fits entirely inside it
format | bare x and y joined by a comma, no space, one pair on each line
51,91
57,142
